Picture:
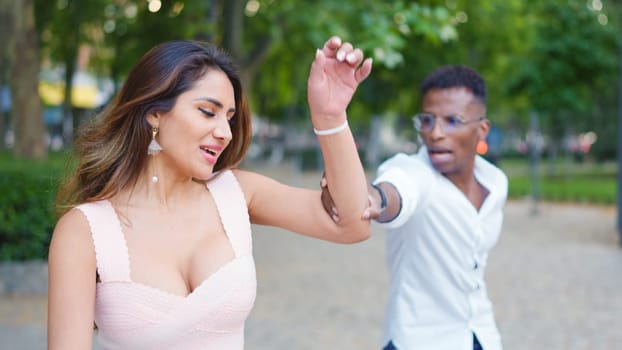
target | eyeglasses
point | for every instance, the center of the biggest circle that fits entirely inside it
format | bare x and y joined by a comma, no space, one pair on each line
425,122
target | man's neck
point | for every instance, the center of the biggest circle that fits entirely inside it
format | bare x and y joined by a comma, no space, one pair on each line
467,183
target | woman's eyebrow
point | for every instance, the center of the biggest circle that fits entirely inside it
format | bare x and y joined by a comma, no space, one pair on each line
214,101
209,99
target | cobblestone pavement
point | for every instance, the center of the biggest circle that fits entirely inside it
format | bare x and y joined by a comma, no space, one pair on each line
554,278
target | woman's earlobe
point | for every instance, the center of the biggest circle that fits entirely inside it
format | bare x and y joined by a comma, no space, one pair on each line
153,119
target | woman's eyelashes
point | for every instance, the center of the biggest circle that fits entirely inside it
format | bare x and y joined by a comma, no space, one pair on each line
211,114
207,112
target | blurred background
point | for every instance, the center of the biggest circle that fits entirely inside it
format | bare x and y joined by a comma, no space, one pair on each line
552,69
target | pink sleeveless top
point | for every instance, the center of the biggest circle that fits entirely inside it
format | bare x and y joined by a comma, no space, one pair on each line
131,315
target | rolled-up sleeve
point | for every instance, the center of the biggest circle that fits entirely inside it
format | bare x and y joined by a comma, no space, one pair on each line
408,175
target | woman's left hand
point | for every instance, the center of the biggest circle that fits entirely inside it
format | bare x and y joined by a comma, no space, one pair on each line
336,72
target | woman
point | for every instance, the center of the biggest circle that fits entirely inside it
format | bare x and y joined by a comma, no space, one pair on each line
154,246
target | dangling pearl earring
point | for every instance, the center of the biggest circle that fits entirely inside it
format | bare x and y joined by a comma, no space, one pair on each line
153,149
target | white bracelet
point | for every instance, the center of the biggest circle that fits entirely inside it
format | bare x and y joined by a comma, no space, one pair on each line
332,131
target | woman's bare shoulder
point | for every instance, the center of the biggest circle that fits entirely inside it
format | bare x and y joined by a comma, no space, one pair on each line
72,231
252,182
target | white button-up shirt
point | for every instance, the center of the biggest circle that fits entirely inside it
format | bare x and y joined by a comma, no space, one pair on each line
437,248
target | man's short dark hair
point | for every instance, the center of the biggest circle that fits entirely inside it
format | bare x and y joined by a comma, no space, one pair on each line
452,76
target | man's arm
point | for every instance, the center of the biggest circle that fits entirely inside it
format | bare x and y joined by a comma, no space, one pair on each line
387,193
385,203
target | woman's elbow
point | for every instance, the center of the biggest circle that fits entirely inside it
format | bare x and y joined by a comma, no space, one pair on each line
360,237
351,234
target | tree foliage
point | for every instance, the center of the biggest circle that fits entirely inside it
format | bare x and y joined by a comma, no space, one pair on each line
569,67
384,30
557,57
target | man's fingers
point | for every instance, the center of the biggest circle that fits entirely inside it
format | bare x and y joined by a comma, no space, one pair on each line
323,182
370,212
327,200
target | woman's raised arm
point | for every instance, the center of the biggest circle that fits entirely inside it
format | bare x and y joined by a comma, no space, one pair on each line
337,70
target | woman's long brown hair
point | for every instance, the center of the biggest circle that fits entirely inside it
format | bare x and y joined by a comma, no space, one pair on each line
111,150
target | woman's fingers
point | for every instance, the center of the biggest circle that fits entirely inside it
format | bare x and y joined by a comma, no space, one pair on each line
331,46
344,50
364,70
354,57
347,52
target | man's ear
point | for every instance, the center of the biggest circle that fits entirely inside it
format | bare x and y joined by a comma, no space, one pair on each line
484,128
153,119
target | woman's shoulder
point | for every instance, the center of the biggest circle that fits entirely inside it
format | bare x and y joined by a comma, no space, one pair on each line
253,183
73,218
72,234
248,178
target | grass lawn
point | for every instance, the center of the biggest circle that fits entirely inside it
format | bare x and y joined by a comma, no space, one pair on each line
564,180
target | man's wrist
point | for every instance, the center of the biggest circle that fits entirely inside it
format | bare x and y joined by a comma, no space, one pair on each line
383,197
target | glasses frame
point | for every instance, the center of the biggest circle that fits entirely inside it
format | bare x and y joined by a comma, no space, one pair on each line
462,122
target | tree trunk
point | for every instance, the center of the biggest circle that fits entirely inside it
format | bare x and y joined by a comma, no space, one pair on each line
6,29
233,17
23,80
70,48
68,117
248,63
214,11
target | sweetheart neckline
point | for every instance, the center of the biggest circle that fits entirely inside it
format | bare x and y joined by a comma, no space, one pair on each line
177,296
162,291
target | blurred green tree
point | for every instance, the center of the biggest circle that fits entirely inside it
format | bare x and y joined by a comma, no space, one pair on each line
117,32
556,57
273,35
384,30
63,27
567,72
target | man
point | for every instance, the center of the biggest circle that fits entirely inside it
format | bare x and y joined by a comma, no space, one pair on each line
442,210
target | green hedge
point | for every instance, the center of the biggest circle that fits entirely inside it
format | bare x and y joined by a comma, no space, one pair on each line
27,218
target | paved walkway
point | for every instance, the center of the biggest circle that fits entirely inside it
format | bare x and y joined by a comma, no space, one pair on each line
555,280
